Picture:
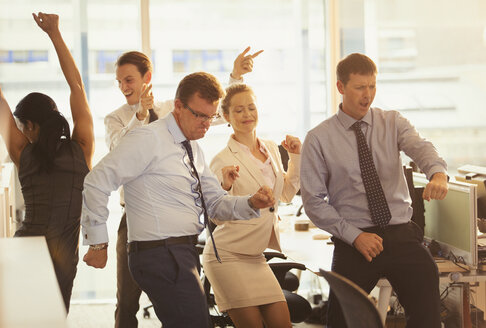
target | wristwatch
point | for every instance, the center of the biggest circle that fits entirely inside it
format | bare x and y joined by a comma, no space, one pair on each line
98,247
251,204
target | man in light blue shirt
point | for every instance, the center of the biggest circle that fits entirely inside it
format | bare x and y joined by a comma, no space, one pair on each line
337,200
163,203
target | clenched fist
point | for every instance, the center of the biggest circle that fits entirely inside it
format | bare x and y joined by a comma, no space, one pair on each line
263,198
292,144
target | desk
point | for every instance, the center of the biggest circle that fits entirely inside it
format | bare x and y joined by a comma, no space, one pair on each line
300,247
317,254
29,292
7,200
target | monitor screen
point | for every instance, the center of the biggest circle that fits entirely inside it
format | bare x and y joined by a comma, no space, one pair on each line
452,221
476,175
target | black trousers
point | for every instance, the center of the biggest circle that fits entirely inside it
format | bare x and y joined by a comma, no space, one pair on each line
407,265
169,275
127,291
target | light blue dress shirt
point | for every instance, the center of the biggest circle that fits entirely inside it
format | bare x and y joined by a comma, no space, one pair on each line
332,190
160,191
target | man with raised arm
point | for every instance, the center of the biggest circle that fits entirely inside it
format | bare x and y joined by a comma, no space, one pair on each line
169,193
134,76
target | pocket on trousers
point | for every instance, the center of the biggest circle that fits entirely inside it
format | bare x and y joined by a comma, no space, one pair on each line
176,266
418,233
157,264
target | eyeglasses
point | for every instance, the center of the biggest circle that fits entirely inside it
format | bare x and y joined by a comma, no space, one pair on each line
202,117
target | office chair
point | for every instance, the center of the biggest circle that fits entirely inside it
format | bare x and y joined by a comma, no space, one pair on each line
358,310
299,308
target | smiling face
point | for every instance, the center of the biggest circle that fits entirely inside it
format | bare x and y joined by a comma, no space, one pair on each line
358,94
194,126
130,81
243,113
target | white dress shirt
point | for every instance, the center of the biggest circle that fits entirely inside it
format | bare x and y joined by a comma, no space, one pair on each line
160,191
124,119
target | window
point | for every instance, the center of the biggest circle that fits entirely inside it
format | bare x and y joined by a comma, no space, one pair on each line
288,77
431,62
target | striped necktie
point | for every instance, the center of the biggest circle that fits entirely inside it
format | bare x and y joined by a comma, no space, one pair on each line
187,145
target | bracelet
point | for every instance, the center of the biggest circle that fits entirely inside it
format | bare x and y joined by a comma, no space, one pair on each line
98,247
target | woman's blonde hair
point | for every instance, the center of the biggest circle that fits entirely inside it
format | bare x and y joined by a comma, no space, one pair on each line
231,91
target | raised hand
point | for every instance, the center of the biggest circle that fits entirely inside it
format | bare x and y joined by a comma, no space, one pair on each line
262,198
146,101
83,121
292,144
49,23
243,63
230,174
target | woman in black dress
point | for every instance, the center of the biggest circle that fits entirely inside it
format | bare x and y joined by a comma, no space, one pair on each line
52,162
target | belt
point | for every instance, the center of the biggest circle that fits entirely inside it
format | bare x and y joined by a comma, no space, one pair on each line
136,246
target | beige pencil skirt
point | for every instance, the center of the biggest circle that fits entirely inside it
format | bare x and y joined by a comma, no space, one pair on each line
241,280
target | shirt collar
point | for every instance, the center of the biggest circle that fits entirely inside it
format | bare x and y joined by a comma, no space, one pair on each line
246,149
174,129
347,121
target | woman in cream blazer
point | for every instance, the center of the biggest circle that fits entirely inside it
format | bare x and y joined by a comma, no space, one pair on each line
243,283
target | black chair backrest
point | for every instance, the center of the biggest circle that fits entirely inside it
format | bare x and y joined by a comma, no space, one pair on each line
358,310
285,160
418,215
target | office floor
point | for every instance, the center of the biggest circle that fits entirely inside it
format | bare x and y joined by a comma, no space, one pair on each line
101,316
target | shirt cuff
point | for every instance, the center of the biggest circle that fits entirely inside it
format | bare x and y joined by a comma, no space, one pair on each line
93,235
245,209
350,234
135,122
434,170
232,80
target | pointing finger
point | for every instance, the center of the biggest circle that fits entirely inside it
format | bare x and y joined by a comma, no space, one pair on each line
256,53
36,18
244,52
146,88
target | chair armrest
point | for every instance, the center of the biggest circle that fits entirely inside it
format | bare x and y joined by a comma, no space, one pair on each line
286,279
287,266
270,255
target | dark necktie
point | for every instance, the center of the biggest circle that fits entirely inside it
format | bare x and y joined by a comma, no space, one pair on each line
380,213
152,115
188,147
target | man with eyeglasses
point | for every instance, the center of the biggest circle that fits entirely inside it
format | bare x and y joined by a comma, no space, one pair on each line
134,76
168,188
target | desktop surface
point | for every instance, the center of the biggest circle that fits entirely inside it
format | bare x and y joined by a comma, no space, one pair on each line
29,292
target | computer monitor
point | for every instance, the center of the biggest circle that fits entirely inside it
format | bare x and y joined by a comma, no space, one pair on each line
477,175
451,222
